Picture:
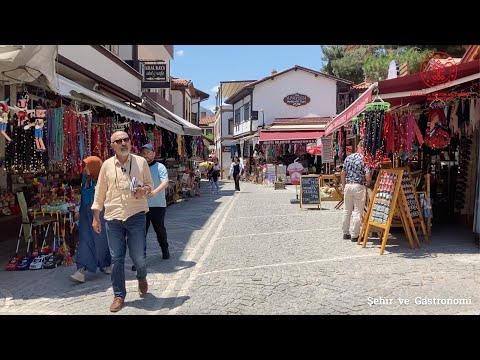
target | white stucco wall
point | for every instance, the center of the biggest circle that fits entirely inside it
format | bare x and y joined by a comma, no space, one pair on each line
177,101
188,106
89,58
153,52
225,116
269,96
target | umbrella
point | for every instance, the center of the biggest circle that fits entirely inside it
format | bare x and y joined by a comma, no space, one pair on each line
314,149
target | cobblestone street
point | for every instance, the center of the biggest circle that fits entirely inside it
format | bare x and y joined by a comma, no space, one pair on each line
254,252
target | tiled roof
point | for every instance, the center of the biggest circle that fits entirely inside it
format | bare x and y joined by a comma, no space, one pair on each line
178,84
207,120
363,85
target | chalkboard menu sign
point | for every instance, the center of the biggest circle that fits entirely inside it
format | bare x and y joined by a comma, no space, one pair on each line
310,190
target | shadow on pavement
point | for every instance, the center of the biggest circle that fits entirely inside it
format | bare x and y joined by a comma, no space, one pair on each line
152,303
186,223
443,240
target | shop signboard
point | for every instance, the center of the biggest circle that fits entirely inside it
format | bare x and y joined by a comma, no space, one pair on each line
310,190
155,72
295,171
296,99
226,149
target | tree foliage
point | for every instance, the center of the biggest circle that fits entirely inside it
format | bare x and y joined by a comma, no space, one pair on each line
376,67
371,62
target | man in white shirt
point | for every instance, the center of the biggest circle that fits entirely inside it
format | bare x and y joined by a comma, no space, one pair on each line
122,186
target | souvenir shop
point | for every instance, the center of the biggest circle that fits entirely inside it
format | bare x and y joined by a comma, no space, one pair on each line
286,147
435,134
46,138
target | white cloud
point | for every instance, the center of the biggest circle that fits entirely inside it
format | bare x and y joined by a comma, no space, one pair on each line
215,88
211,107
180,52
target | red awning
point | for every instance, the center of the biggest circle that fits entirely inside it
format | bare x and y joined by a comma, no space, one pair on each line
353,110
415,82
289,137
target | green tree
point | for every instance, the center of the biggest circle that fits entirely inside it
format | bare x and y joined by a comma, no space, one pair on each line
376,67
330,54
358,63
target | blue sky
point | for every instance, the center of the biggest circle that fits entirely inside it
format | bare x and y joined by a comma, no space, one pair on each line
207,65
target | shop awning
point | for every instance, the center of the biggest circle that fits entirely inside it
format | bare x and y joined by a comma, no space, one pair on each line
66,87
289,137
26,63
406,85
187,127
350,112
168,124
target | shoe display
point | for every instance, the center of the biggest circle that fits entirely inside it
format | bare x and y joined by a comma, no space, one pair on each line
117,304
79,276
142,287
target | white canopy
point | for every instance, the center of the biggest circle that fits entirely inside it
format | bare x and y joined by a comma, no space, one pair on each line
66,87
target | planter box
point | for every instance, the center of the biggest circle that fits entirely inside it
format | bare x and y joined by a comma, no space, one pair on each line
279,185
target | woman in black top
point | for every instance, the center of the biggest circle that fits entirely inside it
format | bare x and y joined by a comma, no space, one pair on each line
236,169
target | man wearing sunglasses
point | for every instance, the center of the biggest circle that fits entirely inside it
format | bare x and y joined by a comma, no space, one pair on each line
123,184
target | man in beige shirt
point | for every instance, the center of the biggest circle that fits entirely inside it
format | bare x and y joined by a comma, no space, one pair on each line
123,183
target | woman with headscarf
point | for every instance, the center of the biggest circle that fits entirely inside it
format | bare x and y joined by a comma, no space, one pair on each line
93,251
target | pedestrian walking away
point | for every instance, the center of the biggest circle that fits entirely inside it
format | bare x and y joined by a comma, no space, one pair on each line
355,176
93,252
157,202
121,190
236,169
215,175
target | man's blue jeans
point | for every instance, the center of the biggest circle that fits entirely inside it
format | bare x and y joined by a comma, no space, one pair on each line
130,232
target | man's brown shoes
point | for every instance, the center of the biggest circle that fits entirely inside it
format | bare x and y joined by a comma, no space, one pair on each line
117,304
142,287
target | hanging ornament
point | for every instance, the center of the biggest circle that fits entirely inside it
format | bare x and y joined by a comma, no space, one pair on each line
4,120
38,123
22,107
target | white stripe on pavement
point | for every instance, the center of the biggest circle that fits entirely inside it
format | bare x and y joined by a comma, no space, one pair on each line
280,232
289,264
208,249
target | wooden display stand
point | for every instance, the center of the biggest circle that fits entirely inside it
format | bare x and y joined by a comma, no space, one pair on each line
388,198
310,190
412,205
338,195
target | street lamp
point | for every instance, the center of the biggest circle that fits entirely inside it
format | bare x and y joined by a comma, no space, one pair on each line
263,118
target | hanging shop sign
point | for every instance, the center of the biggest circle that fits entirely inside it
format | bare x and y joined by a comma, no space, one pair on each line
296,99
226,149
155,72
